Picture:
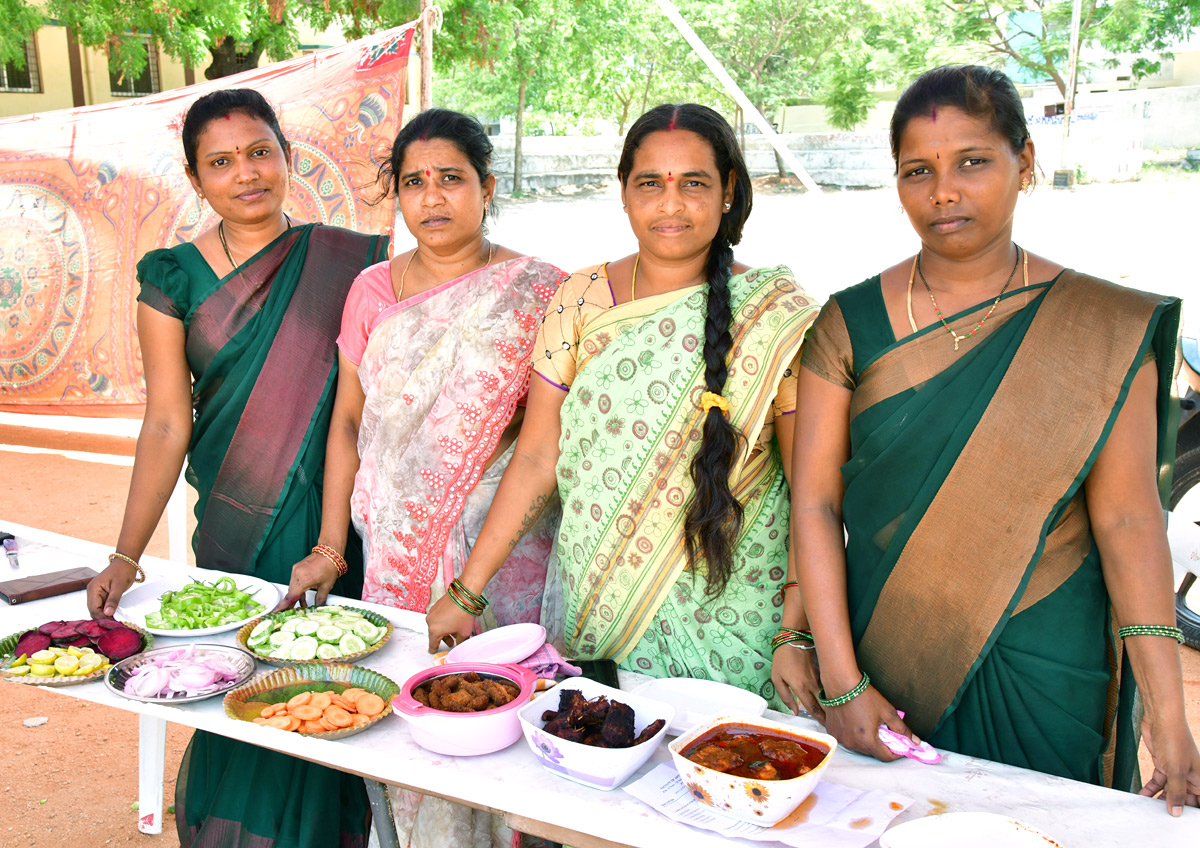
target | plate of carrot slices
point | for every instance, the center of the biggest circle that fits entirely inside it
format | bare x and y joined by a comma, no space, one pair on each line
318,700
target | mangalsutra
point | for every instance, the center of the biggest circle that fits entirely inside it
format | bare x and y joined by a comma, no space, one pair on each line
413,255
633,282
225,244
961,337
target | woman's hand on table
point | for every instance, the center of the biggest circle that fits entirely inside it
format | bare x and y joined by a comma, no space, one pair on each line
856,725
449,623
106,588
794,673
314,572
1176,777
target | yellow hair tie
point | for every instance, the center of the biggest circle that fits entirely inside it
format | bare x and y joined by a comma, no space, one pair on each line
710,399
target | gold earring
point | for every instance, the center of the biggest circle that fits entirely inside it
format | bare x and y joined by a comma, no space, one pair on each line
1026,185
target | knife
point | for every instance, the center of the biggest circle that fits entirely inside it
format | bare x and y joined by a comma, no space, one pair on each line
9,542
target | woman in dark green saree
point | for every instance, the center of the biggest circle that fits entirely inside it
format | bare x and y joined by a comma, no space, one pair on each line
994,433
239,326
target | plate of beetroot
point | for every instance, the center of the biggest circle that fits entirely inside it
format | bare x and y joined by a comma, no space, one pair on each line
113,640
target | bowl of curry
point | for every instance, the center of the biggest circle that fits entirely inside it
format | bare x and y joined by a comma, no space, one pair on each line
752,769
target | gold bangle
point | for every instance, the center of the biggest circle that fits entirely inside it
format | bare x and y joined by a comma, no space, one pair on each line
139,576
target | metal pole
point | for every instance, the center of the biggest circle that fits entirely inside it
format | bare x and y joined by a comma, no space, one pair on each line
738,95
1072,74
426,54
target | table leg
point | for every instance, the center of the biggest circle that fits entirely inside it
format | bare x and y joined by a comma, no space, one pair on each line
152,750
381,814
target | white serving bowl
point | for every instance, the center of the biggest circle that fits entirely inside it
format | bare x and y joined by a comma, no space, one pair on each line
600,768
761,802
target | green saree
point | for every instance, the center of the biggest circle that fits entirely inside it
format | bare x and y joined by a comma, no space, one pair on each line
630,427
260,345
977,602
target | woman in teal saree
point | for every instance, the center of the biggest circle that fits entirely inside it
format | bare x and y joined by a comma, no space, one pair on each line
239,326
1005,576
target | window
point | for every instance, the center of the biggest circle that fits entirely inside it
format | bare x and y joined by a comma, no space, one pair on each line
27,78
125,85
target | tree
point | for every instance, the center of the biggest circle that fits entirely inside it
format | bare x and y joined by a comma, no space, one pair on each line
1033,34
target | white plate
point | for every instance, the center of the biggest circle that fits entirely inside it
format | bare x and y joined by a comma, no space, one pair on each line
954,830
696,701
117,675
142,600
509,644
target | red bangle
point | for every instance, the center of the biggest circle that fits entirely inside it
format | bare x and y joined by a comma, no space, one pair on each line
788,585
333,556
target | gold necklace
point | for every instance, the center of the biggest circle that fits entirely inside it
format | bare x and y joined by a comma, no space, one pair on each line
225,246
633,282
413,255
937,310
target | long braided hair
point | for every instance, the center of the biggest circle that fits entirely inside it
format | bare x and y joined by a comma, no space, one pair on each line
714,516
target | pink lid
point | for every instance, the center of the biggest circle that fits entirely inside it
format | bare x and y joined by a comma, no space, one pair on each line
503,645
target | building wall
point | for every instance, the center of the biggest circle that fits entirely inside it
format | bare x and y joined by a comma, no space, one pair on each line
51,45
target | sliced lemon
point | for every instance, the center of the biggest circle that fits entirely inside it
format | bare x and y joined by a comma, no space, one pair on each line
43,658
59,652
19,670
75,652
66,665
41,670
19,661
89,663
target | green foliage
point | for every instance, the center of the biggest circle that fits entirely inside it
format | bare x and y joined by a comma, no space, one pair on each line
20,23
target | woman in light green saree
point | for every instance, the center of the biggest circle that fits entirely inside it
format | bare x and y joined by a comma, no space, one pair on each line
1000,487
662,378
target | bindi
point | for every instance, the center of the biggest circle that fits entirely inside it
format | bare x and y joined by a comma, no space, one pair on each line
427,173
670,178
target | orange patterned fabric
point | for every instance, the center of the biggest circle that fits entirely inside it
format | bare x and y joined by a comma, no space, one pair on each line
84,193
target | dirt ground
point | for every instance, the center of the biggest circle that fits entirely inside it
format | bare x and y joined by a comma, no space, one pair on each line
70,782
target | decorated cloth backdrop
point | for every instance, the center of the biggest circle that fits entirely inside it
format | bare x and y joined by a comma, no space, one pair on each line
85,192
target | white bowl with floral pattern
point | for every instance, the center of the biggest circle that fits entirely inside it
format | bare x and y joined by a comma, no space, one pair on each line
600,768
761,802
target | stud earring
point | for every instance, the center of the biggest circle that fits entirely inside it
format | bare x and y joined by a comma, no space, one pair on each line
1026,185
728,206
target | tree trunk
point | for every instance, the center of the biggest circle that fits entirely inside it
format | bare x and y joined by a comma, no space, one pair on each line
625,105
646,91
225,59
520,132
780,167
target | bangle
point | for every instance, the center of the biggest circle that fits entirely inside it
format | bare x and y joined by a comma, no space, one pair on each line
333,556
802,639
139,576
1151,630
465,599
783,589
848,697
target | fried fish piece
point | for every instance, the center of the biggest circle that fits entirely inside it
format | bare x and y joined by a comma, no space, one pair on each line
650,731
617,729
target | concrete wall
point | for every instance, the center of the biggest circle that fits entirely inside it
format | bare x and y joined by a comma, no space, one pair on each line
51,45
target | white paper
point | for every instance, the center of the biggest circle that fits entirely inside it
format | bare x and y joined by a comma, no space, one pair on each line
840,818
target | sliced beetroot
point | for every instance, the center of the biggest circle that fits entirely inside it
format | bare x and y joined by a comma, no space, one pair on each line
119,644
64,632
91,628
31,643
109,624
80,641
49,627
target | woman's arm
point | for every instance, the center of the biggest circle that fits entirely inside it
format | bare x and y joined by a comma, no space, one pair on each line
792,669
161,448
316,571
822,446
1127,522
525,489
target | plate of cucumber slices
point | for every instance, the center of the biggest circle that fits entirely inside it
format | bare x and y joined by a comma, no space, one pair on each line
328,634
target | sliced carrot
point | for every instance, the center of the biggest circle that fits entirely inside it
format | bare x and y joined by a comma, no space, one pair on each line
307,712
300,700
324,722
359,718
339,701
294,723
337,717
369,704
281,722
321,700
352,695
272,709
259,721
312,727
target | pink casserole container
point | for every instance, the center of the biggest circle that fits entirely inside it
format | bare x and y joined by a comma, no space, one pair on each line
466,734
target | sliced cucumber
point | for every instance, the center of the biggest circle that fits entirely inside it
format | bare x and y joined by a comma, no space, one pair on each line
320,617
304,648
330,633
291,624
282,652
368,632
307,628
281,637
261,630
351,644
328,652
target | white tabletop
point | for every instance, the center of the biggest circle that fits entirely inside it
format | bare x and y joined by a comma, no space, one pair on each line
512,781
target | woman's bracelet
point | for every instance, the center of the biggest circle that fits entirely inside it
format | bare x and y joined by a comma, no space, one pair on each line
139,576
783,589
848,697
339,562
465,599
1151,630
801,639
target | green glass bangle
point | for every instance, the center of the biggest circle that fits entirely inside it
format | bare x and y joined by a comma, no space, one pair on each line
1151,630
479,599
848,697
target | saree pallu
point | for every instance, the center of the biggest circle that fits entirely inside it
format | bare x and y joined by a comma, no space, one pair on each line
977,602
631,426
260,347
443,373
